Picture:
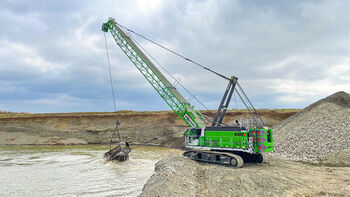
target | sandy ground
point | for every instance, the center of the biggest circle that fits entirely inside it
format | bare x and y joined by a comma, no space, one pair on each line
179,176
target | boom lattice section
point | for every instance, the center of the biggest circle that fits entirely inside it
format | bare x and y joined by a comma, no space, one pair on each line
164,88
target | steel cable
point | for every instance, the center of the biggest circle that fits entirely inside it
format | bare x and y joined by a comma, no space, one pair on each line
175,53
112,88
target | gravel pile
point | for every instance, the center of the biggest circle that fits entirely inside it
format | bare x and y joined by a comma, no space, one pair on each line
318,130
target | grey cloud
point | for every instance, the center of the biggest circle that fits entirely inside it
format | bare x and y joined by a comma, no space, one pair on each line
54,51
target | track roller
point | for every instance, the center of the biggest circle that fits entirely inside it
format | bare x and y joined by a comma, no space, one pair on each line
223,158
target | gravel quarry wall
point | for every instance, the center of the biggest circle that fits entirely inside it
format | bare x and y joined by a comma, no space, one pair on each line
315,132
96,128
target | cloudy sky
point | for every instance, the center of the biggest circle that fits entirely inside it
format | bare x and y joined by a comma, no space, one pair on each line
286,54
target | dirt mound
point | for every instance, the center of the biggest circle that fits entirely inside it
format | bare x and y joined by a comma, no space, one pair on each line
318,130
180,176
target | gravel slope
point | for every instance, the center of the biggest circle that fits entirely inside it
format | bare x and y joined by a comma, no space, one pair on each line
318,130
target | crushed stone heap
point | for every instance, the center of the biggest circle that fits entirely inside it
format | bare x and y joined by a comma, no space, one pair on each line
318,130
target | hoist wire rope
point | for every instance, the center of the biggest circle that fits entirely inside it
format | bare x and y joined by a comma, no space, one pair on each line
206,118
251,105
129,31
246,105
243,97
112,88
175,53
234,95
157,62
110,72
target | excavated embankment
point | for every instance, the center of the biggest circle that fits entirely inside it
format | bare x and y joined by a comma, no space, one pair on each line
92,128
179,176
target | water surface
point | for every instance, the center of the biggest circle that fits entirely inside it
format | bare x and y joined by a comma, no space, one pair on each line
74,171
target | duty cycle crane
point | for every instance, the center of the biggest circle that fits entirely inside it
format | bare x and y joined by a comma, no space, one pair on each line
217,143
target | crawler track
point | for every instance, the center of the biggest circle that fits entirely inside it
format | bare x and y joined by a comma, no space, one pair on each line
223,158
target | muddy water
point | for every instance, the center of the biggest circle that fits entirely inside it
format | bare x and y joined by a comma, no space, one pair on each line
74,171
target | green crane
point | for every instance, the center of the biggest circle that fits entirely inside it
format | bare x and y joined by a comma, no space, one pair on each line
159,82
218,143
